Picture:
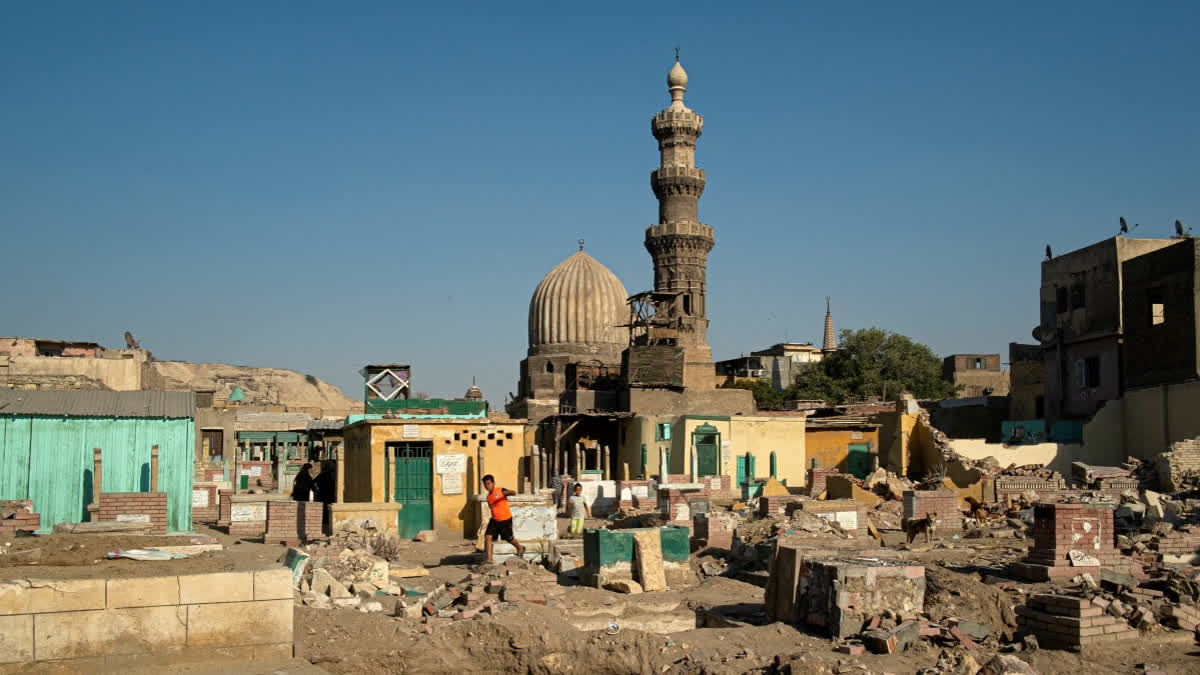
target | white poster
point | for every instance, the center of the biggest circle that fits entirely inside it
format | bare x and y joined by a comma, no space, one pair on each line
641,491
256,471
133,518
452,463
199,498
240,513
847,519
452,483
411,431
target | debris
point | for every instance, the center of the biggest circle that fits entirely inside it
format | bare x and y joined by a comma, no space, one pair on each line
143,554
623,586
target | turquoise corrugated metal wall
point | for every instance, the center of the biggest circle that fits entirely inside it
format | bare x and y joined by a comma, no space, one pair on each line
49,460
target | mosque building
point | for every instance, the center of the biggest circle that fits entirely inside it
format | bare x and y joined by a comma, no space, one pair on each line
602,365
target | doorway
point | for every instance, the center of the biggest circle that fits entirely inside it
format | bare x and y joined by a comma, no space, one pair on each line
412,486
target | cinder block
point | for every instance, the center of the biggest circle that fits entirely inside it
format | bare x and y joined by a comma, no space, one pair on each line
240,623
143,592
35,596
274,584
16,638
220,587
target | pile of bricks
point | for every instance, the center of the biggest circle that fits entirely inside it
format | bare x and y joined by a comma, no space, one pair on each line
1066,622
205,503
1183,617
711,532
1059,529
134,507
292,523
850,514
16,515
1012,487
1183,543
920,503
1182,459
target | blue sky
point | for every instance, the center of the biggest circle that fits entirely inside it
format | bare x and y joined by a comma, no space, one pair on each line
317,186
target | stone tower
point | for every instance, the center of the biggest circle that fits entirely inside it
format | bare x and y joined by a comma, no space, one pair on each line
830,343
679,243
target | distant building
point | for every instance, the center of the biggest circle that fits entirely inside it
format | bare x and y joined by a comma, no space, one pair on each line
777,364
1161,302
975,375
1082,330
1026,382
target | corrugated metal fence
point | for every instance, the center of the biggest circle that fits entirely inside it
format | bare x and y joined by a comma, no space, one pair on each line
49,460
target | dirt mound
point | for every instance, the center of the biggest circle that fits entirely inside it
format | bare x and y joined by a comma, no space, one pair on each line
950,594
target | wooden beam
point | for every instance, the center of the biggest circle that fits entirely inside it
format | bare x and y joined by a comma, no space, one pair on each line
566,431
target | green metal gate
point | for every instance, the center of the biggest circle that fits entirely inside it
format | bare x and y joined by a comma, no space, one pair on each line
707,441
858,459
412,486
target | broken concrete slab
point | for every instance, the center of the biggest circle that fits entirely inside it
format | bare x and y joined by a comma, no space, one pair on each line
623,586
648,560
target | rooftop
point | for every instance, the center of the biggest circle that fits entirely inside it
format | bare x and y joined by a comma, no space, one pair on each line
98,403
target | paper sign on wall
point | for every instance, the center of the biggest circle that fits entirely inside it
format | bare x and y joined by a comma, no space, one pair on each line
256,471
411,431
199,498
452,463
452,483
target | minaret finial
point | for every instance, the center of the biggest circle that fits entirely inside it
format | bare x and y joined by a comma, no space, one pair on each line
580,244
827,304
676,53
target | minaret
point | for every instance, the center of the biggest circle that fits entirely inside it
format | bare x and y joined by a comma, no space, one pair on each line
830,343
679,243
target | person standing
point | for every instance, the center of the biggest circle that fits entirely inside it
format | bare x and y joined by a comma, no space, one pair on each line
303,486
578,508
501,524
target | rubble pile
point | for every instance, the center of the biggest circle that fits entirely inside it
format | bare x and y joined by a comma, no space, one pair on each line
799,524
363,534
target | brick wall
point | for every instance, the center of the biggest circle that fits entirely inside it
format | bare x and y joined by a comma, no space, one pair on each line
135,507
1014,486
1178,542
775,505
1183,458
711,532
817,478
223,506
247,519
205,503
23,518
293,523
920,503
639,495
1060,528
264,480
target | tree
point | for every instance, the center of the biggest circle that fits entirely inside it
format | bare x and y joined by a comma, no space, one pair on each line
765,396
872,363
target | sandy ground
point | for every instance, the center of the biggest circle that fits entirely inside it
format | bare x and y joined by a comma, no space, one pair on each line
535,638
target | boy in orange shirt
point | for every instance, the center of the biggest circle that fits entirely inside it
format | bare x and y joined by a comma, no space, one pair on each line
501,524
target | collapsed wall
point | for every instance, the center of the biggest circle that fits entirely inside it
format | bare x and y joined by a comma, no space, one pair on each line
1183,459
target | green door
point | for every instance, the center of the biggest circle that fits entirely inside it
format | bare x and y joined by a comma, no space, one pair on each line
858,459
413,486
707,441
745,477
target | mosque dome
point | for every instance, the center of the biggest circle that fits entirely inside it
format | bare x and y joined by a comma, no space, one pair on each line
473,392
580,302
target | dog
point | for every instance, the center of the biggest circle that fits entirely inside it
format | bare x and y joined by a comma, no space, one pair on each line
927,525
976,510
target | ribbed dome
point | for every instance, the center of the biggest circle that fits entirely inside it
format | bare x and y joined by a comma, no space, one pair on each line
580,302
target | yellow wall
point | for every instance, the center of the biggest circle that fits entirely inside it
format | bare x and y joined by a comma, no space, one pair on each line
503,453
1144,422
829,447
757,435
